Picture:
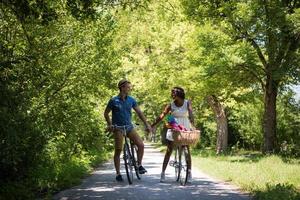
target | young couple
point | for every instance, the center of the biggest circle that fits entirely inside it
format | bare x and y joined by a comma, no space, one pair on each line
121,106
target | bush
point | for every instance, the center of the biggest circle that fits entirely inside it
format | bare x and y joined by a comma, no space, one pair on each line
278,192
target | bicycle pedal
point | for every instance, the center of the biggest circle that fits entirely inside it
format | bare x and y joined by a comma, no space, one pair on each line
172,163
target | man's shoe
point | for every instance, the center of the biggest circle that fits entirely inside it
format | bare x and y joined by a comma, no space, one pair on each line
142,170
119,178
162,177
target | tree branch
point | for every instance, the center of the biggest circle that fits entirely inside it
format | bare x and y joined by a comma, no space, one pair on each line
19,18
256,76
292,46
253,44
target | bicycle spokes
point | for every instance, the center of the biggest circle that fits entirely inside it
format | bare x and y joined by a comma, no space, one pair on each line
180,163
134,160
184,165
128,163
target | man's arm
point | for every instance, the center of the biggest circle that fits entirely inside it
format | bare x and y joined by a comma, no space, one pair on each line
106,116
142,117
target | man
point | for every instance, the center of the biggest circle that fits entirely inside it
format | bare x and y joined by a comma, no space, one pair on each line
121,107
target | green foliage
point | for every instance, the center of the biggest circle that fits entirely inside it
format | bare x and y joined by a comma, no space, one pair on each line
288,125
261,49
60,62
246,119
52,77
15,190
150,43
158,54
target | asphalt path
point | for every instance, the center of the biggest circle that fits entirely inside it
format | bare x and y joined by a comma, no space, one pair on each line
102,184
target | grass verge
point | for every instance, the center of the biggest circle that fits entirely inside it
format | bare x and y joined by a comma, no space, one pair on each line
266,177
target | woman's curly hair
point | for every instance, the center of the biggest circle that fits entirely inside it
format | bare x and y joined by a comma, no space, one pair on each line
179,92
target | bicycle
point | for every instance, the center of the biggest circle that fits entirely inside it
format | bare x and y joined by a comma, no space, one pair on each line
180,163
129,154
181,158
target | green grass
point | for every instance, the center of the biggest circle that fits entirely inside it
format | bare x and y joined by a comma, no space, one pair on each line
267,177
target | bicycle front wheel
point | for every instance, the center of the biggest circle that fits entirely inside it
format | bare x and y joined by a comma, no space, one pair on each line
183,157
128,163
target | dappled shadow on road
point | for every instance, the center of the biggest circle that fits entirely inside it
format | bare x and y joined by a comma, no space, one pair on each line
150,188
102,185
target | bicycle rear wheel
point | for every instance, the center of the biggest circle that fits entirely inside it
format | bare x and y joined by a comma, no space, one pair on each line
128,163
176,164
134,160
183,155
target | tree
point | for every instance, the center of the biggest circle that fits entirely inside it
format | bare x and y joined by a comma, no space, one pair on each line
272,29
222,123
53,71
213,53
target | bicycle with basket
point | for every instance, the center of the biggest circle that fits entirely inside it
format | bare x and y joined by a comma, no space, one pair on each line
183,139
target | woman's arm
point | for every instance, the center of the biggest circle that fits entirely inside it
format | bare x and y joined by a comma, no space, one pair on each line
191,116
166,110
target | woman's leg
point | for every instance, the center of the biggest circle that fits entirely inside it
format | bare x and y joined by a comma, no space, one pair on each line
189,165
167,156
189,159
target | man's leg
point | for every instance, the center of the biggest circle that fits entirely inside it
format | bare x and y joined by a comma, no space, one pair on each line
118,149
136,139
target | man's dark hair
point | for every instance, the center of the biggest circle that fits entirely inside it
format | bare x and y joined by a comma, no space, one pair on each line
179,92
122,83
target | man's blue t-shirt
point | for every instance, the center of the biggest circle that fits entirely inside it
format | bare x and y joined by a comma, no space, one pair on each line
121,110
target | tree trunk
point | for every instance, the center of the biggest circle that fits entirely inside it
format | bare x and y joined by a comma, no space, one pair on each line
269,121
222,124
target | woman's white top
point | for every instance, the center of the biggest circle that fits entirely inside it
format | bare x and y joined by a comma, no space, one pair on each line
181,114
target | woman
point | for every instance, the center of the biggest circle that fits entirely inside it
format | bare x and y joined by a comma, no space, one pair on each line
181,109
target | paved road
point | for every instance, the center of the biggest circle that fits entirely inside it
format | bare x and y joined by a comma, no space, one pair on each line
102,185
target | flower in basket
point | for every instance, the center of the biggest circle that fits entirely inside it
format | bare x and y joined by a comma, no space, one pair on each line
172,122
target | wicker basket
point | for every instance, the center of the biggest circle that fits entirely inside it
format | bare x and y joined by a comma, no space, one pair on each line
186,137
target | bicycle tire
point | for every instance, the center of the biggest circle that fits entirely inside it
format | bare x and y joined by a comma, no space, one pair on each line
176,164
134,160
183,165
128,162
